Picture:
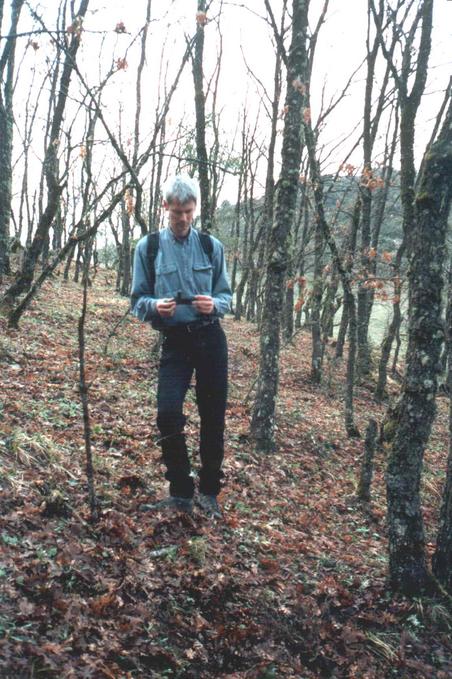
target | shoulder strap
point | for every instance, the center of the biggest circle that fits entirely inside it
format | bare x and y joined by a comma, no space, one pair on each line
152,250
207,244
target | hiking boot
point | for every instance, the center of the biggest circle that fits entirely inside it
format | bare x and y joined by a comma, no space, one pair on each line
180,504
209,505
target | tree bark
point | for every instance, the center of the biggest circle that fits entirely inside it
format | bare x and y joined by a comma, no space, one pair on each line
262,425
442,558
407,560
349,255
367,465
54,189
316,303
7,60
201,149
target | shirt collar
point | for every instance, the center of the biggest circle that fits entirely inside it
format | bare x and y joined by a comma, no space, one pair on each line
181,240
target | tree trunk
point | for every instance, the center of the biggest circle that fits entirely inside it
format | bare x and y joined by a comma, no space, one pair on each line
6,135
125,250
407,561
363,354
262,426
367,465
442,558
316,299
392,330
201,150
349,255
54,190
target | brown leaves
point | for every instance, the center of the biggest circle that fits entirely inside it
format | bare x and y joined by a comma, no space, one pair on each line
201,18
299,304
348,168
299,86
121,64
290,584
100,605
370,181
120,27
75,28
129,202
284,111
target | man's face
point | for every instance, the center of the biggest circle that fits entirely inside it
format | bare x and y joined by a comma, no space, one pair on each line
180,216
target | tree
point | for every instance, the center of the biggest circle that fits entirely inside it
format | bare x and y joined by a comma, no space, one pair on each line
201,149
411,73
262,425
54,187
7,60
416,409
371,121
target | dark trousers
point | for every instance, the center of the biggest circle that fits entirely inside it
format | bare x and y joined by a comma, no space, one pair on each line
203,351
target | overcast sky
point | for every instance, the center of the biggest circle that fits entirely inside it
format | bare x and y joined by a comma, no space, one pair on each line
245,34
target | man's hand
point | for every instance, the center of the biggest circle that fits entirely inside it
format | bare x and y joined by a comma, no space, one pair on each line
204,304
166,307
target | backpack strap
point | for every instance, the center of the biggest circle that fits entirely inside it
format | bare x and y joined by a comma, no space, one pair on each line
207,244
152,250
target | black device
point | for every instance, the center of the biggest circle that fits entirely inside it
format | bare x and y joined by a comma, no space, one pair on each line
183,300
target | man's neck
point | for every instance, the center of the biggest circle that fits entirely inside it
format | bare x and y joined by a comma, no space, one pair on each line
181,238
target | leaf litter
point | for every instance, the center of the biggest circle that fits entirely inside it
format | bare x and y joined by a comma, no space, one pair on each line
292,583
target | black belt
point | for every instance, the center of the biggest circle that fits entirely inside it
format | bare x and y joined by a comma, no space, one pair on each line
191,327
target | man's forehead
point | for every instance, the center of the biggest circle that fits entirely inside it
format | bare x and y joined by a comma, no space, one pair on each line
176,205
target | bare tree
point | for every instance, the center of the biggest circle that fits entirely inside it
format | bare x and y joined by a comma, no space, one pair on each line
201,149
412,71
416,409
371,121
7,60
54,188
262,425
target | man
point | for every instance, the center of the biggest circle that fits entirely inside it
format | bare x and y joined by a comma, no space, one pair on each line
183,290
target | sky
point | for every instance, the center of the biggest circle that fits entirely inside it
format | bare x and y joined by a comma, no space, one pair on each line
245,36
341,48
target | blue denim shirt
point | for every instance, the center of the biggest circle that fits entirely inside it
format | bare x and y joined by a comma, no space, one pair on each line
180,266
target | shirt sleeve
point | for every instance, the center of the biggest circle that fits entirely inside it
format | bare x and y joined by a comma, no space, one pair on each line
142,300
221,290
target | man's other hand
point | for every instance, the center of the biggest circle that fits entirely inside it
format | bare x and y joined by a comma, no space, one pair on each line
204,304
166,307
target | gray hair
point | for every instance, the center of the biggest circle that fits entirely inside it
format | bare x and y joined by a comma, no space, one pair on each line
182,188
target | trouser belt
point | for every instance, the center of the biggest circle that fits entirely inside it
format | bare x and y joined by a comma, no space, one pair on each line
191,327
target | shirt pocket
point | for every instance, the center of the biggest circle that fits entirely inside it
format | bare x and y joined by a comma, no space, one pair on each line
166,280
202,276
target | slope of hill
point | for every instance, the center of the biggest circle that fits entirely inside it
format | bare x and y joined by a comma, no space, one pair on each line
290,584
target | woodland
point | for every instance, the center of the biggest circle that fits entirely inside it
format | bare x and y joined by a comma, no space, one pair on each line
332,199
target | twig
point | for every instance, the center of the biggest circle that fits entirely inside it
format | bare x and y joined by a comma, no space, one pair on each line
112,332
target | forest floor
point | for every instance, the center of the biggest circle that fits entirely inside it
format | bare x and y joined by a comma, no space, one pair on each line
291,583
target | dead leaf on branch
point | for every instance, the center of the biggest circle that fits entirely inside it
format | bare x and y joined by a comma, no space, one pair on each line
121,64
201,18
